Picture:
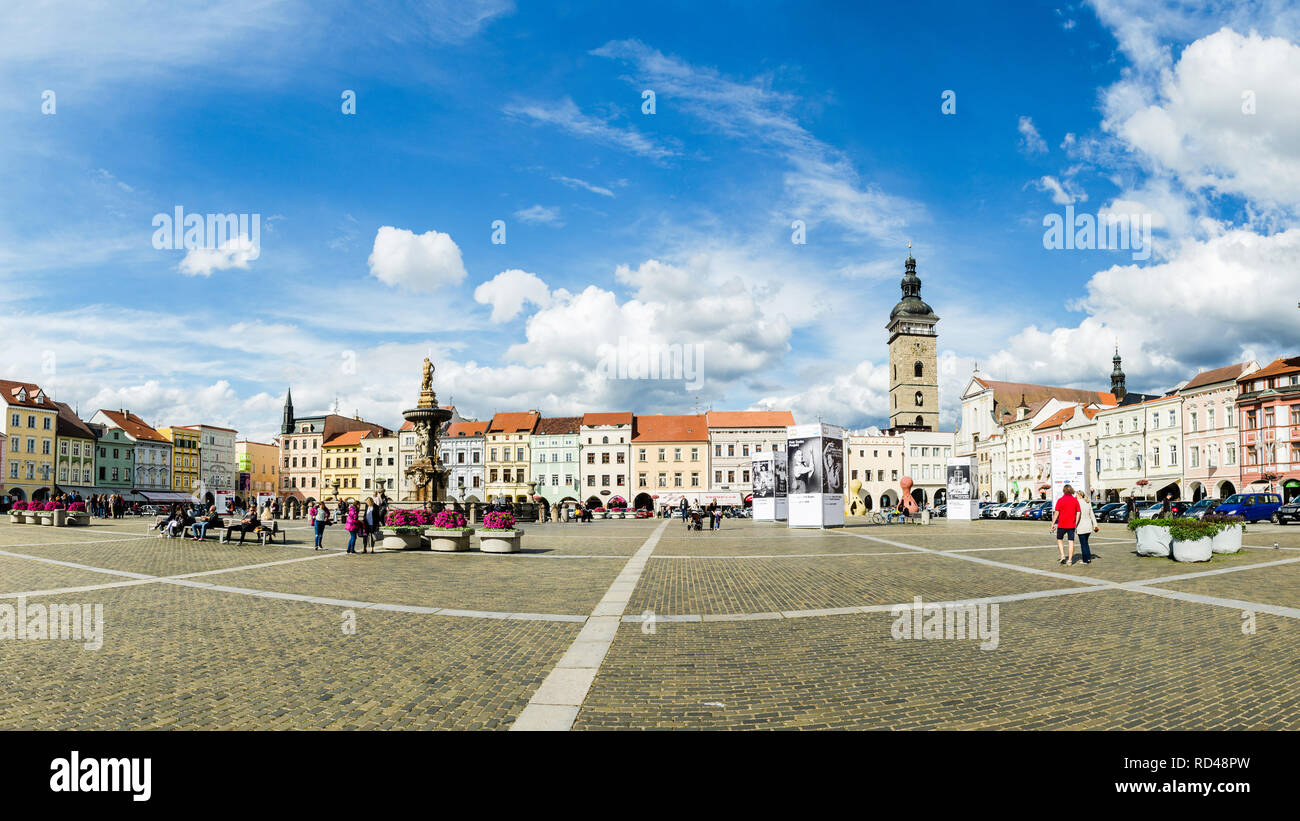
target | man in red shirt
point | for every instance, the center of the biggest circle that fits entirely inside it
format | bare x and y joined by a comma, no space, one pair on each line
1065,518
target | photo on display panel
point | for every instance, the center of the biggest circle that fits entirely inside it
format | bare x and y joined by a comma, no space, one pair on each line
779,472
833,464
764,486
959,485
805,465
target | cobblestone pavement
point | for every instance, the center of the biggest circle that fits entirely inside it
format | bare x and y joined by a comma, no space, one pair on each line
756,626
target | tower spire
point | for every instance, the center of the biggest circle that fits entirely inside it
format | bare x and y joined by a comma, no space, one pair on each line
1117,377
286,421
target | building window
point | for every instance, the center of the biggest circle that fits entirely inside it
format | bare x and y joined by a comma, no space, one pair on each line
917,370
919,400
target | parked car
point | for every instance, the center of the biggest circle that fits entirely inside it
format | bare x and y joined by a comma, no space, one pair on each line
1037,510
1253,507
1201,509
1102,512
989,510
1118,514
1289,512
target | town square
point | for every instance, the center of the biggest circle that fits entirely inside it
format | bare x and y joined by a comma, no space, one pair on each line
404,398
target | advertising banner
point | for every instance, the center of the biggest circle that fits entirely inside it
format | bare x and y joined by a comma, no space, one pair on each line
768,472
816,475
1069,466
962,479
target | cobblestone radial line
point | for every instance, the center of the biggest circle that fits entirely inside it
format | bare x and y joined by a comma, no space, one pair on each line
45,560
1233,604
1135,586
1216,572
557,701
782,555
989,562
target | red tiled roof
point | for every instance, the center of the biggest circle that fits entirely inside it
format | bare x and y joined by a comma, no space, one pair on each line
1007,394
558,424
1091,412
346,439
616,418
519,422
456,429
1055,420
1286,364
10,390
134,426
750,419
1228,373
660,428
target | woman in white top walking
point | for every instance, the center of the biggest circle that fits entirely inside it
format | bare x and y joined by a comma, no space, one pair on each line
1087,526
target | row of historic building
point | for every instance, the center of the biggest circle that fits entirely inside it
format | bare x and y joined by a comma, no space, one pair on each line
46,448
595,458
1227,430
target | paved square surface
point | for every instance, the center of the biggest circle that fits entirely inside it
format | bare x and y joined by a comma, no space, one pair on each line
639,624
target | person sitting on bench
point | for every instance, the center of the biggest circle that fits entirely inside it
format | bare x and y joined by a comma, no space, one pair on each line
246,525
201,524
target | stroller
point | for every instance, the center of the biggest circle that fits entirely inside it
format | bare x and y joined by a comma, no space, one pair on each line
696,522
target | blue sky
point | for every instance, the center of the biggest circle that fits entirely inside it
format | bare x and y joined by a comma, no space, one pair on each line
671,228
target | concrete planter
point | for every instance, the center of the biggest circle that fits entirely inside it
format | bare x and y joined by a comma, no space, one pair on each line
500,541
449,540
31,517
77,519
1153,540
60,518
1198,550
400,541
47,518
16,517
1227,540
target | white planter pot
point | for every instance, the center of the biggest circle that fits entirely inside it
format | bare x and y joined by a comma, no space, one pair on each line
16,518
32,518
500,541
1153,540
401,541
1198,550
449,542
47,519
1227,540
78,519
60,518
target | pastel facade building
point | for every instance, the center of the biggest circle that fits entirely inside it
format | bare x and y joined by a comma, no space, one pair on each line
735,437
1211,437
508,460
381,463
186,469
876,460
925,460
1268,408
151,452
258,465
670,460
605,458
555,455
31,427
463,451
75,449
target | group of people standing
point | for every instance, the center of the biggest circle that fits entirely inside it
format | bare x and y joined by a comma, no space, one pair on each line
107,506
363,520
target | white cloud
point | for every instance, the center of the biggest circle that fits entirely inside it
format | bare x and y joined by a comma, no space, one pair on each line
1030,141
235,252
853,398
822,183
1063,192
540,215
420,262
574,182
1197,126
565,115
509,290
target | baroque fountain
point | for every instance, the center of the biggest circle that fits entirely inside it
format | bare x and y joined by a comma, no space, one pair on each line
426,476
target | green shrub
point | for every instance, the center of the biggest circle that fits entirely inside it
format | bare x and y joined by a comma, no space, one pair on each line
1189,530
1225,521
1134,524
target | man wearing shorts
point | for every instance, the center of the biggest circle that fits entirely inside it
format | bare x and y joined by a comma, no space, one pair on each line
1065,518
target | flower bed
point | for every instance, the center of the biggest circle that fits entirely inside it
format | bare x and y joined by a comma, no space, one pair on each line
1193,539
499,534
1153,538
449,533
403,528
1228,539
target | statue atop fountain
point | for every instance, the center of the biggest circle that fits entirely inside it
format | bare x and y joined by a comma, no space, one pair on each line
425,475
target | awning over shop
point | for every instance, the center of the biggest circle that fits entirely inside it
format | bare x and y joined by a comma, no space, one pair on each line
1135,491
167,496
1258,482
